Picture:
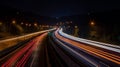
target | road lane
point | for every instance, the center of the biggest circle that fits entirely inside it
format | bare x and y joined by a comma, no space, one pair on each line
38,57
4,44
34,53
6,54
91,50
63,55
28,49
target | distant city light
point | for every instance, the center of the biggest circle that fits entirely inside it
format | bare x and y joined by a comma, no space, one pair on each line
22,23
60,23
47,25
67,22
26,24
68,26
92,23
40,25
0,23
35,24
29,24
76,26
13,22
57,24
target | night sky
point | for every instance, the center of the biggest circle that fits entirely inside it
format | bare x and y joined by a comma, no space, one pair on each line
57,8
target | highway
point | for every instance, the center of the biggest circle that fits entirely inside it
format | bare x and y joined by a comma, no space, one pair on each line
54,48
20,56
25,53
90,53
4,44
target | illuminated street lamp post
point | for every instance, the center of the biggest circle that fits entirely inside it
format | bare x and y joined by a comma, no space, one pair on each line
76,30
14,23
93,30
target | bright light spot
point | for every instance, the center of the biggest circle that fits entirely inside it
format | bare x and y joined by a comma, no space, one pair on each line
13,22
35,24
92,23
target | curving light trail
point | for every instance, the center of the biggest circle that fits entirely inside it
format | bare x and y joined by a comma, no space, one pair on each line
90,42
90,48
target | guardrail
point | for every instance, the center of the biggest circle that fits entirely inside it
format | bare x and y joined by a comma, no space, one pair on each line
24,36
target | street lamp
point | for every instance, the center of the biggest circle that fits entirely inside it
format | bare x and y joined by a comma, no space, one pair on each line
26,24
35,24
92,23
13,22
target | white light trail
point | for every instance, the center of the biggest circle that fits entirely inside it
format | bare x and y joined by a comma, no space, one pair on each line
90,42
